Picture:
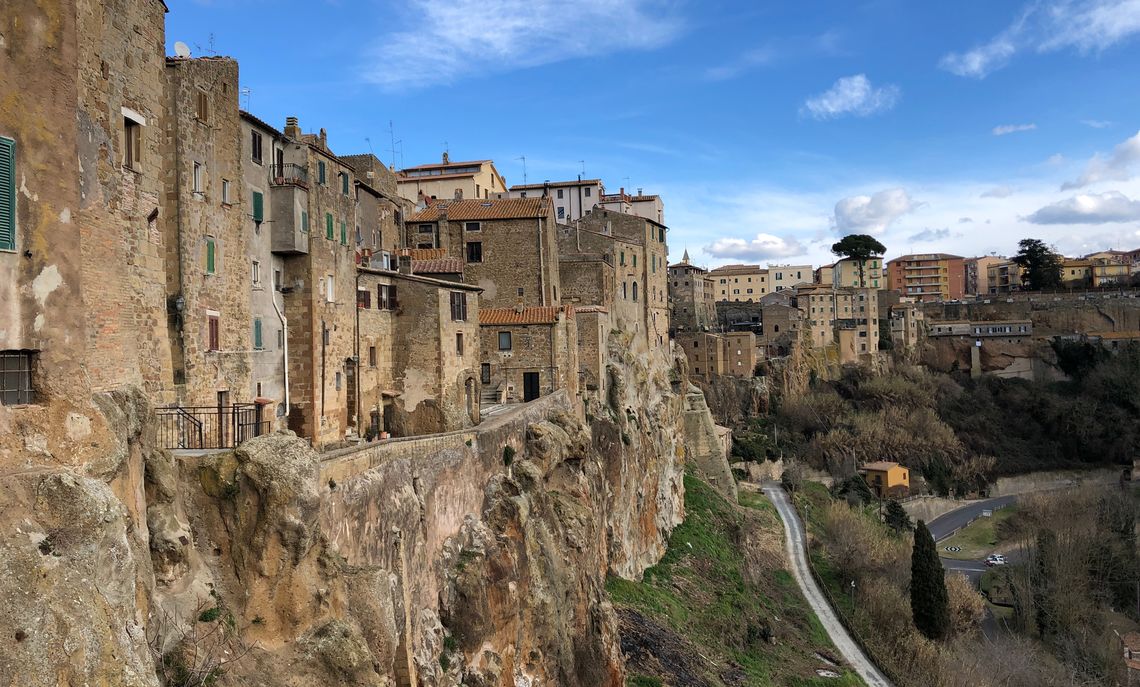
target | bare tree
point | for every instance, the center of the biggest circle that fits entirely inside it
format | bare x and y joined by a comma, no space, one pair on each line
193,654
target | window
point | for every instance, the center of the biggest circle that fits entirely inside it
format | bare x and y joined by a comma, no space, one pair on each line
211,255
212,332
635,259
258,344
485,373
338,381
622,261
519,291
363,299
343,234
634,292
255,273
255,147
225,191
386,297
132,143
587,191
202,111
328,226
561,212
559,193
16,378
624,290
277,279
459,343
371,356
197,178
304,222
458,306
474,251
7,194
258,206
321,173
470,226
504,341
330,289
344,183
426,228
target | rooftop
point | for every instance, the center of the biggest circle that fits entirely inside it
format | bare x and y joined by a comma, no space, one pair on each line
552,184
926,256
506,208
738,269
443,165
531,315
437,266
880,465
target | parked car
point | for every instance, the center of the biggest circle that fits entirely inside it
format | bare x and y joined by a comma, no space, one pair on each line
995,559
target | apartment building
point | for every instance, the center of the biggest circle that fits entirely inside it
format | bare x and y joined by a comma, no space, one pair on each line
928,276
853,273
848,317
571,199
1003,277
692,299
1007,331
447,180
976,274
781,277
740,282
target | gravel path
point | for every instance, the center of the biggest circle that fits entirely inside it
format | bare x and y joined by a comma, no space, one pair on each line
797,557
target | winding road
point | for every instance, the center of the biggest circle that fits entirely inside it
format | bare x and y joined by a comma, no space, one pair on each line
947,524
797,558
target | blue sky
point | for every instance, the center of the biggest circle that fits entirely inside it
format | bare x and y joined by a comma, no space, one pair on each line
770,129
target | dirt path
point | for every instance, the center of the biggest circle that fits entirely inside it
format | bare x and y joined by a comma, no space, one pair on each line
797,557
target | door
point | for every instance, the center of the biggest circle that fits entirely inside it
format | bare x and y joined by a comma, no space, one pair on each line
530,386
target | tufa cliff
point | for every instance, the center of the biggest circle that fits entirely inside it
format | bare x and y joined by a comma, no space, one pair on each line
477,557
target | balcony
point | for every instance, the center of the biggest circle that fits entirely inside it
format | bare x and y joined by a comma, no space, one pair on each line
289,174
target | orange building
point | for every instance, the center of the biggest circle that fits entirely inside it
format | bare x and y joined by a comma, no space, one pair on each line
928,276
886,478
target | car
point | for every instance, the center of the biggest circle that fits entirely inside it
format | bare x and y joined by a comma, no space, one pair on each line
995,559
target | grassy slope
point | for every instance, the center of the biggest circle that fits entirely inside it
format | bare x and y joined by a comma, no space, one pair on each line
978,539
708,591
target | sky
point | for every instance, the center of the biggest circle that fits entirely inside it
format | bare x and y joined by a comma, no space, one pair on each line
770,129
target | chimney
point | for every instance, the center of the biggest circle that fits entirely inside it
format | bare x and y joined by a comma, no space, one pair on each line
519,307
292,128
324,139
405,264
446,158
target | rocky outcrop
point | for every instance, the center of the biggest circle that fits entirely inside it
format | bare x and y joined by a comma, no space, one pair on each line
480,560
732,400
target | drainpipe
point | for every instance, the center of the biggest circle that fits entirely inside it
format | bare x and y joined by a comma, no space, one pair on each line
285,353
356,353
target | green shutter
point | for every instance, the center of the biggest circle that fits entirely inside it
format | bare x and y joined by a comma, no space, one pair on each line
7,194
257,343
258,207
304,221
328,226
321,172
210,256
344,183
343,234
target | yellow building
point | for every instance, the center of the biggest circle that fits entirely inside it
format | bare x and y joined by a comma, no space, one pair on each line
740,282
845,273
447,180
1076,272
1107,272
886,479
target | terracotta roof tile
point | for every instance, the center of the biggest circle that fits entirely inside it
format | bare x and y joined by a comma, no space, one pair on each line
438,266
590,308
423,253
505,208
531,315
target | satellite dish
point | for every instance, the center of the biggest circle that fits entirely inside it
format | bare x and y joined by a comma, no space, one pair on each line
181,49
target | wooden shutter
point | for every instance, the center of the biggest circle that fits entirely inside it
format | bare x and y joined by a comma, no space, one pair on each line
328,226
212,343
381,297
392,302
364,299
7,194
257,342
258,207
343,234
344,183
304,221
210,249
321,172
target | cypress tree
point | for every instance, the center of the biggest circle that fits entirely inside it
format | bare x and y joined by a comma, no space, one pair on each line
897,518
929,601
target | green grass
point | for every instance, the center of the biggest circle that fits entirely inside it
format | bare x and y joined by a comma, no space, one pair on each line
700,590
642,681
978,539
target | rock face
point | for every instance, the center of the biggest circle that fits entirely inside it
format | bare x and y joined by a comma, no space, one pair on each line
473,559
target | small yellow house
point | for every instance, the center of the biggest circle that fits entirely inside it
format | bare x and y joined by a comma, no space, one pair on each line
886,479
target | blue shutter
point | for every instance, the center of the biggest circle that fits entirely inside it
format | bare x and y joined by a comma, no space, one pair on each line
7,194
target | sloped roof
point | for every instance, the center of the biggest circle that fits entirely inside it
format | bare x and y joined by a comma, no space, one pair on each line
530,315
879,465
590,308
478,209
438,266
423,253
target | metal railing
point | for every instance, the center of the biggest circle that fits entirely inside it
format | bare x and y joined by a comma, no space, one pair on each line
288,174
209,427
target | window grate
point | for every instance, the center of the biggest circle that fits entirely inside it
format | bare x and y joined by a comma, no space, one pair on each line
16,378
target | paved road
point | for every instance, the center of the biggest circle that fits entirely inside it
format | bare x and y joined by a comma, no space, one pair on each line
797,557
946,524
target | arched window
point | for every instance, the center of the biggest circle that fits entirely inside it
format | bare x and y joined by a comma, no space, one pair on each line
635,292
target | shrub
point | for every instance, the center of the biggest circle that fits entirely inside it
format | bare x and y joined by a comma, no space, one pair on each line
508,455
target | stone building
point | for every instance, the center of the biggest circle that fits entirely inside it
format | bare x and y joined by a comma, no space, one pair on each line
740,353
849,317
380,211
593,324
706,353
780,329
642,205
261,144
571,199
207,212
509,247
447,180
419,351
692,302
528,352
907,326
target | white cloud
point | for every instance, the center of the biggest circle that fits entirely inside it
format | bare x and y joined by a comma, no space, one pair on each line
1087,26
1096,123
448,39
756,57
965,220
929,235
852,95
998,192
871,214
1115,167
1089,208
763,247
1012,128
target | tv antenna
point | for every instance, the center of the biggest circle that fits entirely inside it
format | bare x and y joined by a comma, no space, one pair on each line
523,158
245,93
393,142
369,142
583,163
